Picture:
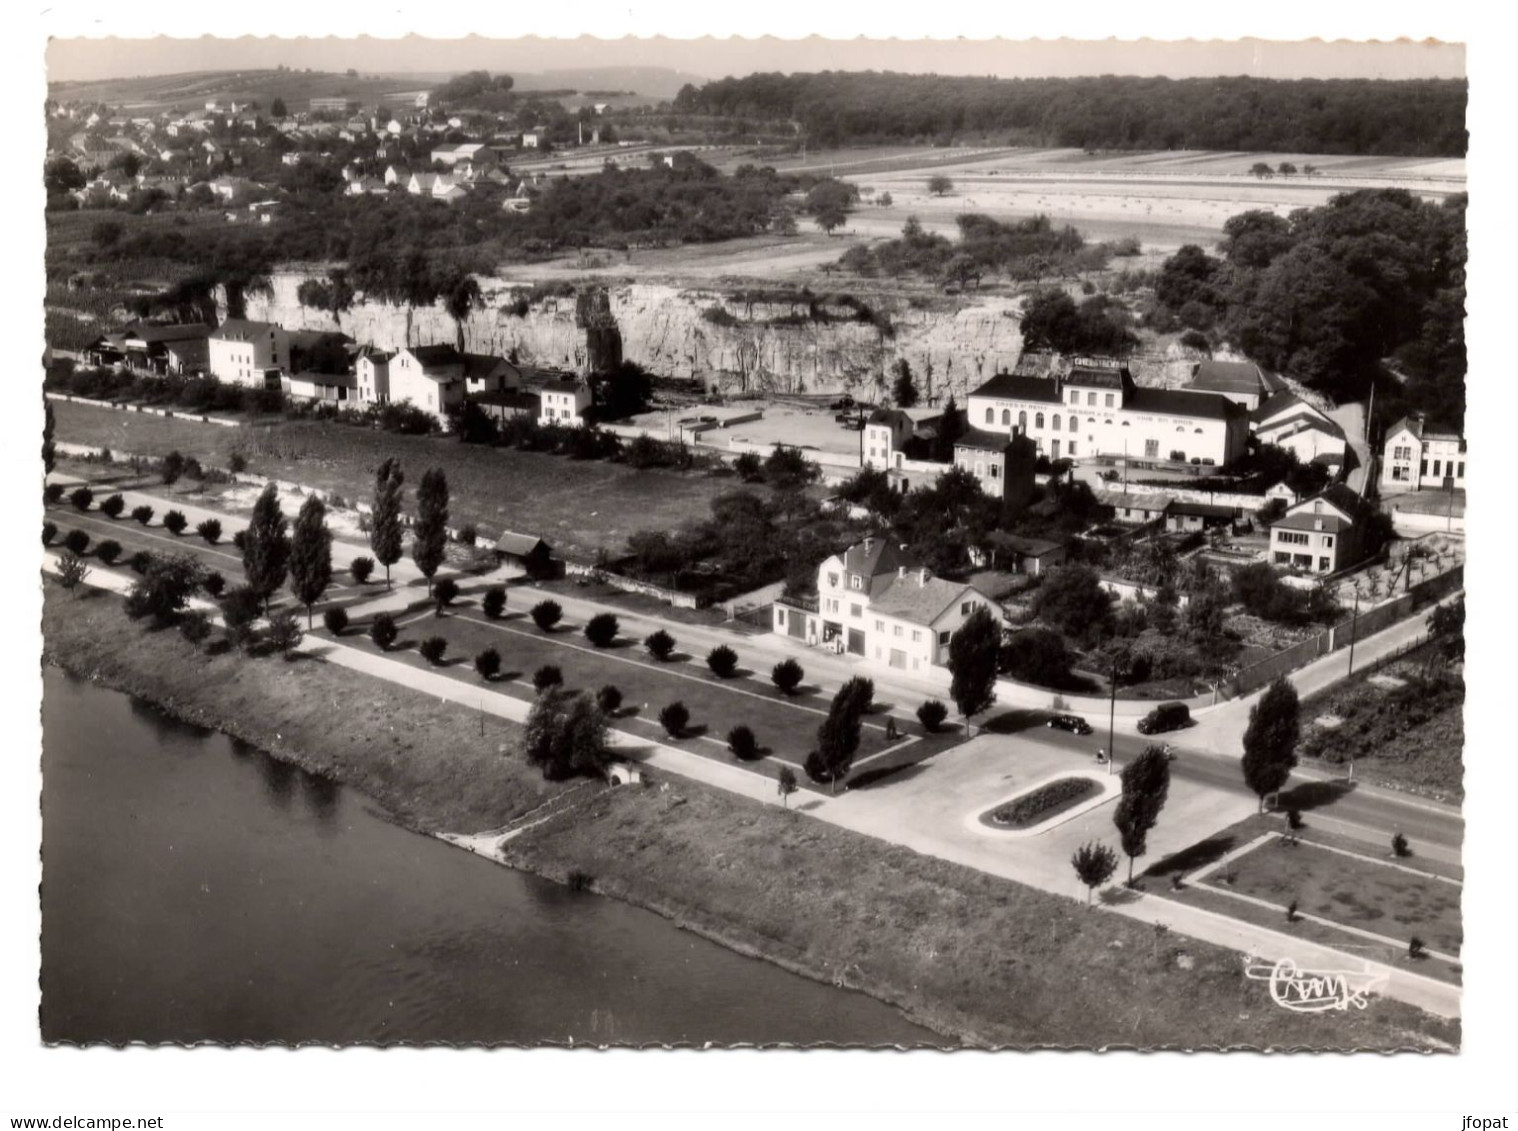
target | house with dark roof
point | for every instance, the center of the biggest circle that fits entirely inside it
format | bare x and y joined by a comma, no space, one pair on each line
1186,516
1095,408
563,400
1417,455
1000,463
1134,509
526,551
244,352
1017,554
1242,382
1322,534
1289,422
372,368
885,431
874,600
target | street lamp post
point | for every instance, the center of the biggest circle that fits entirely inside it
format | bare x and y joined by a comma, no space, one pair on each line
1112,718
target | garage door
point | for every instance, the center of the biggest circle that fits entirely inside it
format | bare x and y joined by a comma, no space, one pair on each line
856,641
898,658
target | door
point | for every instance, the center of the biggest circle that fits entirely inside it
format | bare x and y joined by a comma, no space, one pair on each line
1151,449
856,641
1054,449
898,658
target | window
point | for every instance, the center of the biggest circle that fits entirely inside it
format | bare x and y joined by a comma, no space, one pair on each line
1317,507
1075,424
880,626
1292,538
1423,468
995,471
897,631
1075,396
1461,473
1328,541
1038,420
1022,421
990,416
964,609
1091,400
1108,401
856,611
1197,431
1055,422
980,468
917,636
832,581
943,637
1436,469
1006,416
1072,448
856,581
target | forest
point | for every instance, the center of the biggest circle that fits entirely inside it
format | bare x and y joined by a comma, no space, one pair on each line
1338,116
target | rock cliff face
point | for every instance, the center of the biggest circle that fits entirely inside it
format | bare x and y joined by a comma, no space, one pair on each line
737,343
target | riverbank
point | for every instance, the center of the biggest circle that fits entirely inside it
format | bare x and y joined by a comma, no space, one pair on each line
981,960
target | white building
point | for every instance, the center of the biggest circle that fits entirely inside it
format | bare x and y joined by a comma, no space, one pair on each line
373,372
563,402
874,601
437,378
1096,409
1416,456
885,432
249,353
1289,422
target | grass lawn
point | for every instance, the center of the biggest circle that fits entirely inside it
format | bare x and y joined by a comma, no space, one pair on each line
786,728
578,506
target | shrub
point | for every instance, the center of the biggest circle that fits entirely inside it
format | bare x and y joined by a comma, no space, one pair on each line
545,677
932,715
214,583
76,541
52,493
601,629
723,661
240,541
361,567
445,591
1400,846
1044,802
488,664
432,649
546,614
237,463
210,530
383,631
742,744
195,625
1416,947
140,561
787,676
112,506
143,514
1294,818
285,632
49,532
193,469
494,603
674,718
172,467
108,551
336,620
468,535
609,699
175,522
659,644
81,497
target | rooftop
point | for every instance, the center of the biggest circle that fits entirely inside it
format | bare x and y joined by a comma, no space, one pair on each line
1183,402
1011,386
1241,377
242,330
913,598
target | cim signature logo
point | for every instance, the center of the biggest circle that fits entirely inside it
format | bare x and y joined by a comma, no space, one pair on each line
1320,991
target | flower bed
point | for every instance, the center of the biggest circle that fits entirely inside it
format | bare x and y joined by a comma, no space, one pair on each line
1039,805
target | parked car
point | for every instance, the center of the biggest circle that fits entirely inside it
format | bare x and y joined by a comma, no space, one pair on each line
1111,475
1072,723
1167,716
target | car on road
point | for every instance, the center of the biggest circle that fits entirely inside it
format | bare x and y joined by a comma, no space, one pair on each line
1167,716
1072,723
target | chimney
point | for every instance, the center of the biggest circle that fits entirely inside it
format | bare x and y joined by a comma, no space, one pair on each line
869,544
901,571
922,576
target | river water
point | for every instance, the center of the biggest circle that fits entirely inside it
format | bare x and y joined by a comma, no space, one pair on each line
195,889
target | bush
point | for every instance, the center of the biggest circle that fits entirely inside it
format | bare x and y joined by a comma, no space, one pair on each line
432,649
140,561
285,633
336,620
787,676
195,625
361,568
1416,947
172,467
143,514
932,715
659,644
108,551
742,744
52,493
601,629
674,718
237,463
210,530
214,583
545,677
468,535
723,661
546,614
1037,656
494,603
1400,846
609,699
81,497
175,522
76,541
240,541
488,664
445,591
383,631
49,532
1043,802
113,506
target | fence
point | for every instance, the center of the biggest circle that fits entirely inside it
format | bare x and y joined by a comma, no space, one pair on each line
760,616
1420,596
120,406
628,585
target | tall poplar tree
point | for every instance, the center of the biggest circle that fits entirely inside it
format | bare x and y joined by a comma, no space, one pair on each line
385,524
1146,784
973,653
1270,740
431,534
311,555
266,546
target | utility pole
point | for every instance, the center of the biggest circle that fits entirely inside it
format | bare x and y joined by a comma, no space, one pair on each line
1353,632
1112,719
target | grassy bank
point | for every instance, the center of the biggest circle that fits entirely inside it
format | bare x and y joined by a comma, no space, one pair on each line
975,957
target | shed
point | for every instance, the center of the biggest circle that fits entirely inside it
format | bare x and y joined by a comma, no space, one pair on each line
1198,516
1025,555
527,551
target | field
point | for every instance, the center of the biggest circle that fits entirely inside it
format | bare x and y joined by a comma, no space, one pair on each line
579,507
191,90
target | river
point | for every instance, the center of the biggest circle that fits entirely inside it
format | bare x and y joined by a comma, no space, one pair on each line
195,889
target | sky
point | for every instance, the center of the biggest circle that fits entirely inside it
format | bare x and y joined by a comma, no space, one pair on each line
78,58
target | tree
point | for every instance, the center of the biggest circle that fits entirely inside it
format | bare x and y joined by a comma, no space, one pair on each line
430,538
71,570
723,661
361,568
1094,863
81,497
742,744
284,632
940,185
749,467
488,664
546,614
213,583
1286,168
609,699
142,514
311,555
277,108
76,541
601,629
175,522
904,385
433,649
165,587
336,620
210,530
1037,655
112,506
461,296
108,551
1261,170
974,651
1072,600
787,676
172,468
49,446
546,677
239,609
195,626
385,523
786,468
494,601
838,735
660,645
444,593
1146,784
951,426
674,718
1446,624
786,784
383,631
49,532
884,200
266,546
932,715
565,735
1270,740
